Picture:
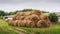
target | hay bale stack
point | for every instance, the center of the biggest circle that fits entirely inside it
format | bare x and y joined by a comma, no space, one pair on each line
30,19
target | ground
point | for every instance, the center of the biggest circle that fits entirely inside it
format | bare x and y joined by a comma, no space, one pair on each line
6,29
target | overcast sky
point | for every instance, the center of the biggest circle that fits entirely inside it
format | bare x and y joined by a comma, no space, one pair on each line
47,5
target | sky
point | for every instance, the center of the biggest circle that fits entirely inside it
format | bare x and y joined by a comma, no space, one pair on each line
46,5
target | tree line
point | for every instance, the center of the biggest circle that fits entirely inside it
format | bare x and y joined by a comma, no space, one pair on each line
3,13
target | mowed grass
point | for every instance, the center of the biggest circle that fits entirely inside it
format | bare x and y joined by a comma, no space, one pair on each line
5,29
53,29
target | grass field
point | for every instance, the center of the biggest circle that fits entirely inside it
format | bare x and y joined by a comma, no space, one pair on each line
5,29
53,29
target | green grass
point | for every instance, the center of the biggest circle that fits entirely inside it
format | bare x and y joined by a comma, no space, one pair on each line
53,29
5,29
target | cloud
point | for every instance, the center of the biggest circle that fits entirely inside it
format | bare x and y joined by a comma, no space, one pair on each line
24,1
11,5
16,1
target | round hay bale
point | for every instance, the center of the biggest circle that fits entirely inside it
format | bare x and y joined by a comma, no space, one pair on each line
19,13
30,23
44,17
47,23
24,23
13,23
41,24
27,18
17,17
27,13
27,23
14,18
41,17
21,22
37,12
34,18
21,17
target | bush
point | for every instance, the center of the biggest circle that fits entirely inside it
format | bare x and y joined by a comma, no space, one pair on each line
53,17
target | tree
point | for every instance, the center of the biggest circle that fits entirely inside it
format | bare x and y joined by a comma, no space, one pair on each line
12,13
44,12
2,13
53,17
6,13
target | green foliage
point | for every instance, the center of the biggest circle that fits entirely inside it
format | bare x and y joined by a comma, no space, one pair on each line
53,17
6,13
25,10
2,13
44,12
5,29
12,13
